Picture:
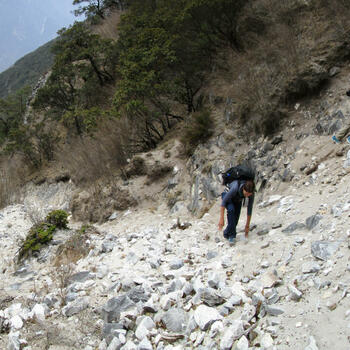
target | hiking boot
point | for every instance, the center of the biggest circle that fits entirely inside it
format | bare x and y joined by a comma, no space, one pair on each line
232,240
348,139
335,139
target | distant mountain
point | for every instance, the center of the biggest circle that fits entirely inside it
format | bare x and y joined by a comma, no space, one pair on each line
27,24
27,70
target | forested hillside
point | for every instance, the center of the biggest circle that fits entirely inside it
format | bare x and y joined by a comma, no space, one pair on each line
27,70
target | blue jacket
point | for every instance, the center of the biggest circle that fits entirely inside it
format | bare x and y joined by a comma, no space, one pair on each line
235,194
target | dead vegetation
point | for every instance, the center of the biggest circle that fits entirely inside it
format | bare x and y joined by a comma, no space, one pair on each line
289,47
13,171
100,201
109,27
88,159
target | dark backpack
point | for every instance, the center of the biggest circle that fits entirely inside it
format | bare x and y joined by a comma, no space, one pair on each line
238,172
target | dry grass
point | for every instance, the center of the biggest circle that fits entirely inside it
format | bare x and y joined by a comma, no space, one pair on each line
100,201
74,249
279,64
88,159
13,172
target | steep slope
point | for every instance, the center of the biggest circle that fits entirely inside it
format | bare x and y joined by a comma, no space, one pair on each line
148,284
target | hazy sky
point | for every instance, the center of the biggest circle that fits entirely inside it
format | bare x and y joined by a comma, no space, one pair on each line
27,24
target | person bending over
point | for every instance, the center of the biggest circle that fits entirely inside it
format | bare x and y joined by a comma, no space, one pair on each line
232,202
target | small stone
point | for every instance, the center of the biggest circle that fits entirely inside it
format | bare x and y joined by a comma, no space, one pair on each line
312,221
331,305
145,344
312,344
175,320
295,294
14,341
212,254
266,341
205,316
176,264
262,232
235,331
310,267
242,343
273,311
323,250
16,322
115,344
276,225
265,245
299,240
294,227
144,328
265,264
39,312
334,71
75,307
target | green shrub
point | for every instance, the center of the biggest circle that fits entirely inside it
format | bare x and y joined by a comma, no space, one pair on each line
58,218
84,229
198,130
38,235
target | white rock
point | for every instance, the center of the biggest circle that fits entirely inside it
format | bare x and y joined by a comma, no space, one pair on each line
199,339
13,341
272,200
16,322
265,264
312,344
145,344
103,345
248,313
235,331
216,328
310,267
144,328
238,290
13,310
295,294
205,316
165,302
39,312
266,341
115,344
242,343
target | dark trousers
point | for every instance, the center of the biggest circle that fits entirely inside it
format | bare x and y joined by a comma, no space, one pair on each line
233,212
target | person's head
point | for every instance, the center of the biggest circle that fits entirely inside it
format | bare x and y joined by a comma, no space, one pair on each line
248,188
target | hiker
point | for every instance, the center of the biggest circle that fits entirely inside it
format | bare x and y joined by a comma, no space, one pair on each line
345,130
232,202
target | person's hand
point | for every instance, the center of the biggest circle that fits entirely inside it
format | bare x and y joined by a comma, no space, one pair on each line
246,231
221,224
